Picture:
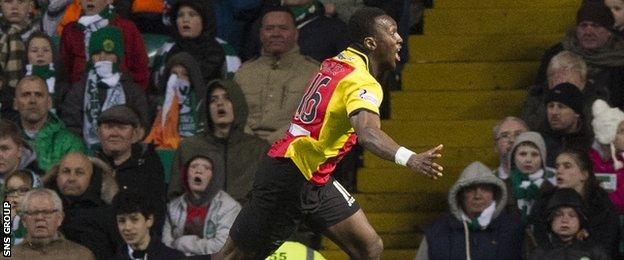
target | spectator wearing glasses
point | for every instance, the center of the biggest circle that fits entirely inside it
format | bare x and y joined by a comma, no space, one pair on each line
16,185
505,133
42,213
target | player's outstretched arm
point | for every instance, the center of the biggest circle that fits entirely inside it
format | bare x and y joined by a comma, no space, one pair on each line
367,126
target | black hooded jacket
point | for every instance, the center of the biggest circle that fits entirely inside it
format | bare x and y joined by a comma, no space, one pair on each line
89,220
205,48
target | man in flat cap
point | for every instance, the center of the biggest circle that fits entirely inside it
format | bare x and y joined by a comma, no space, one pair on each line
137,166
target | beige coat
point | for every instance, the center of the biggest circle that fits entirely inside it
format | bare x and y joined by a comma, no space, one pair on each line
273,88
59,249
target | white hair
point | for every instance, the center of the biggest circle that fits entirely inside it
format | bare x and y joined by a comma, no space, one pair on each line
43,192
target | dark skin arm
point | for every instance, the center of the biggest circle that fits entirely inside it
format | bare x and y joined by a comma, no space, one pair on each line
367,126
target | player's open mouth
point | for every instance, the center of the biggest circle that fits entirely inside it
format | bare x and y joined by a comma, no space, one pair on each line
197,180
396,55
221,112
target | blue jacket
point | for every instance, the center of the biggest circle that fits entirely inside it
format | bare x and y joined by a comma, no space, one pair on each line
502,239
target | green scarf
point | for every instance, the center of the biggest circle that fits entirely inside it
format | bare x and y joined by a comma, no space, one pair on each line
43,71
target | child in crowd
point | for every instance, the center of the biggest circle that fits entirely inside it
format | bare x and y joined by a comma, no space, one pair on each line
16,184
15,28
135,217
567,231
104,86
43,62
617,9
76,38
606,152
199,221
529,175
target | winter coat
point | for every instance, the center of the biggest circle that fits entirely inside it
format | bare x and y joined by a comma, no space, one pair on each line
606,166
273,88
222,212
73,106
156,250
58,249
557,142
237,156
89,219
605,83
204,48
134,62
52,142
576,250
534,108
548,179
142,172
501,239
334,32
602,219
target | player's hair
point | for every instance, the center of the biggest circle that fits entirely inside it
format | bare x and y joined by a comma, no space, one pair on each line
362,24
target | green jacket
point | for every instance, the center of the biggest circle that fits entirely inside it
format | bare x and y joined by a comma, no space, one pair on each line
53,142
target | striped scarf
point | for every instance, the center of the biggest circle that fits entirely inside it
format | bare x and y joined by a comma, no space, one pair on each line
115,95
526,188
13,53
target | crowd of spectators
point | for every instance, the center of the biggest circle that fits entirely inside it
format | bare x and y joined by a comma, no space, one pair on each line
110,149
133,129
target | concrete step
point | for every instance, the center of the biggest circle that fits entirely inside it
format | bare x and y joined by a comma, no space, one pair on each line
469,133
402,254
401,222
456,105
401,202
390,241
468,4
401,179
469,75
451,156
506,21
479,48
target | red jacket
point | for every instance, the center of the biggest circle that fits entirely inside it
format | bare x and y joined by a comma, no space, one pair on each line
602,166
134,60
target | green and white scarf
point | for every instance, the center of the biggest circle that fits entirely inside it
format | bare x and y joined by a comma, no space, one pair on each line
526,188
46,72
483,220
114,96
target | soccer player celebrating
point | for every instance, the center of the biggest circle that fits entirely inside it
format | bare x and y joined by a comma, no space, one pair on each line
294,183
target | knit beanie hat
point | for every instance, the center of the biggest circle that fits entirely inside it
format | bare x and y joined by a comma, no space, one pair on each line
108,39
597,12
605,123
567,94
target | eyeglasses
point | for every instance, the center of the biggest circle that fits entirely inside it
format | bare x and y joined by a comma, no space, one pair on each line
44,213
508,136
19,191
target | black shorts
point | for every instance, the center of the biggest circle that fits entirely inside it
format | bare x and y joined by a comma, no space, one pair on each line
280,200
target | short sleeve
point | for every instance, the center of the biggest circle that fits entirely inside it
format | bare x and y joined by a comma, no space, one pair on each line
363,96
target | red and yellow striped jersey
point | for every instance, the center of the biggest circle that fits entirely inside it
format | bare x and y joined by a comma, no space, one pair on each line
320,132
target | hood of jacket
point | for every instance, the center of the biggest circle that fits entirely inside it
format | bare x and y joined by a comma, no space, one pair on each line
476,173
195,78
239,107
102,187
216,181
531,137
28,156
